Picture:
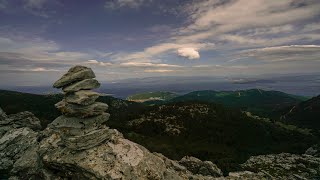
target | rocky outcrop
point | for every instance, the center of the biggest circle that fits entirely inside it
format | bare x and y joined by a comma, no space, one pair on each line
19,120
16,146
19,143
197,166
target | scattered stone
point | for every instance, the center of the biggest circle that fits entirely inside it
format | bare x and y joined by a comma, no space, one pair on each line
83,97
75,74
86,84
74,110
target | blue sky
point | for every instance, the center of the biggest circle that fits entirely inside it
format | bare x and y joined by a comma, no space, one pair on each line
119,39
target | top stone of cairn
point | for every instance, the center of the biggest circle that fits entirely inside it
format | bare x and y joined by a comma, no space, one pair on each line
76,73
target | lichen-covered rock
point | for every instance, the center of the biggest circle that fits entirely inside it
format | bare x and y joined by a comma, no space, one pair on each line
197,166
117,159
83,97
16,144
76,73
86,84
74,110
285,166
22,119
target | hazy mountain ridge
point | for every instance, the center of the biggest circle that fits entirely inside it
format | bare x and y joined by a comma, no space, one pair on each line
260,102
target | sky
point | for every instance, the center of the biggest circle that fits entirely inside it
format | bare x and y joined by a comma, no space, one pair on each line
41,39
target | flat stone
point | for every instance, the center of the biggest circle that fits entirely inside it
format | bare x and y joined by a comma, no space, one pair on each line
81,111
86,84
83,97
76,73
75,126
88,140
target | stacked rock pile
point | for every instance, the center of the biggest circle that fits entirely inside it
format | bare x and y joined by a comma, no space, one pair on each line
82,124
79,100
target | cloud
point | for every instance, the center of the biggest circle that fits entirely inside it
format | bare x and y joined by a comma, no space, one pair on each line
189,53
158,70
42,69
285,53
147,64
38,49
117,4
99,63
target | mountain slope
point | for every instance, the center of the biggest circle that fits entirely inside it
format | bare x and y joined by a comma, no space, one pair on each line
205,130
208,131
305,114
260,102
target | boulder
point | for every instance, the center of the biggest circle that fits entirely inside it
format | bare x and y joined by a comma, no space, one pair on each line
196,166
86,84
80,111
76,73
14,145
22,119
82,97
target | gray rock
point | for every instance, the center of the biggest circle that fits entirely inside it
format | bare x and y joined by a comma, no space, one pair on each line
197,166
75,126
83,97
79,134
14,144
76,73
74,110
285,166
22,119
86,84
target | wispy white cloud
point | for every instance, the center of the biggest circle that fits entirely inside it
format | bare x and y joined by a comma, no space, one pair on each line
147,64
285,53
158,70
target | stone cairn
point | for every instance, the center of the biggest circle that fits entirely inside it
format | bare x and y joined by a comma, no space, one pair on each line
82,124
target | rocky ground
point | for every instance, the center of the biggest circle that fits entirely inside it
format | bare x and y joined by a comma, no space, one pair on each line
78,145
